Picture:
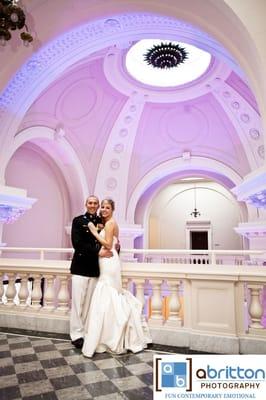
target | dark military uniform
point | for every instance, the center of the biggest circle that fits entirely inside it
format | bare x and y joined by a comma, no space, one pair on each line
85,259
84,269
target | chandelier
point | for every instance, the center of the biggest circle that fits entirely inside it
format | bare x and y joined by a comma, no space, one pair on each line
165,55
12,17
195,213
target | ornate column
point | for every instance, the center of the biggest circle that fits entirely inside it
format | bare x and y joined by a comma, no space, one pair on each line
127,235
252,190
255,232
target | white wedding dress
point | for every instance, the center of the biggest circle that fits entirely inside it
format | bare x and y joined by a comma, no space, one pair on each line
114,322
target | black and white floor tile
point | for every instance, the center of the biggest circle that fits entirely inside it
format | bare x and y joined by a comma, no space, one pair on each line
47,368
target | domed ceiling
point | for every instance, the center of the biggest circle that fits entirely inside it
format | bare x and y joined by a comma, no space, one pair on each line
122,125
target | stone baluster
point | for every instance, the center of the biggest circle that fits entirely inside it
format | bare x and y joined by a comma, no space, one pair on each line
174,304
1,289
30,288
11,291
140,291
17,286
5,286
156,303
63,294
125,283
23,292
255,308
48,303
36,294
263,302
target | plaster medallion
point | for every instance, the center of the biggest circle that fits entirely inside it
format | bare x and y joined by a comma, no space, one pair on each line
254,134
261,151
244,117
114,164
111,183
235,105
119,148
112,25
123,132
226,94
128,119
132,108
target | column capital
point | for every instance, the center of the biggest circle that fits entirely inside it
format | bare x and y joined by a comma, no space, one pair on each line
252,229
13,203
252,189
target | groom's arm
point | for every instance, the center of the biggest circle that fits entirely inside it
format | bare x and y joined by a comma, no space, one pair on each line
77,238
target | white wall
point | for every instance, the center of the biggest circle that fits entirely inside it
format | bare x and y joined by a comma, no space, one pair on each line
171,210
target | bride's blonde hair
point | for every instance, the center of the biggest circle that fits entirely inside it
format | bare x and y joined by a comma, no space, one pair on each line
109,201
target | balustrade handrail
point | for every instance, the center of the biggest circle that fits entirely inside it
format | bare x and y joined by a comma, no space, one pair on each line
138,251
173,294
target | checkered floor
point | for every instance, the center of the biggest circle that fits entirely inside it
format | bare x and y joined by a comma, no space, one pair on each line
47,368
34,368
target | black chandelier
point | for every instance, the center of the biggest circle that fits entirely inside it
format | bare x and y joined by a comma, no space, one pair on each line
12,17
195,213
165,55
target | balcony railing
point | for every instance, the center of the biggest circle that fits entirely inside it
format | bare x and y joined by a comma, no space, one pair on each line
207,300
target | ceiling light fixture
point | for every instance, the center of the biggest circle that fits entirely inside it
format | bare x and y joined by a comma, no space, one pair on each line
12,17
165,55
195,213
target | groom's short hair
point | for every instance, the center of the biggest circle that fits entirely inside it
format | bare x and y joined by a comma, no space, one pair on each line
92,196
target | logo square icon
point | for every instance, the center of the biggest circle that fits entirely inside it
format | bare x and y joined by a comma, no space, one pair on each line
174,374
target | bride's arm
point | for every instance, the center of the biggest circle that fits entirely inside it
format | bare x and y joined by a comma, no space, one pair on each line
106,241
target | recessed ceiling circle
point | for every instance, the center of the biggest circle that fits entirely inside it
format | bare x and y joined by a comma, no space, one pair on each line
195,64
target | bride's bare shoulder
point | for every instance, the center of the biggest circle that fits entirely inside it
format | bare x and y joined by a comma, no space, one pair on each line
110,224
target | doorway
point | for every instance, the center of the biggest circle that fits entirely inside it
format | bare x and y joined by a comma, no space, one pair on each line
199,240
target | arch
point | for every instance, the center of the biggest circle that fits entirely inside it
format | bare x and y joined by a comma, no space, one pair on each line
177,191
166,172
55,144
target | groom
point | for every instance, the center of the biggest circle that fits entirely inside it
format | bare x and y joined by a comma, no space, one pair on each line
84,267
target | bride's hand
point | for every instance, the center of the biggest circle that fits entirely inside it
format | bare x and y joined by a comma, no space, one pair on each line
92,227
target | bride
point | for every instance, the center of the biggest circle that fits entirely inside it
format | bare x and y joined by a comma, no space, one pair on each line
114,322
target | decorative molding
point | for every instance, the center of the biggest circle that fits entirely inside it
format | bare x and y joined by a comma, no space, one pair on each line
252,229
53,142
13,203
118,76
164,172
261,151
47,63
115,159
252,190
246,121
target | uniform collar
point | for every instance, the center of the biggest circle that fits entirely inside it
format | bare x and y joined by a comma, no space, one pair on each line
90,216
